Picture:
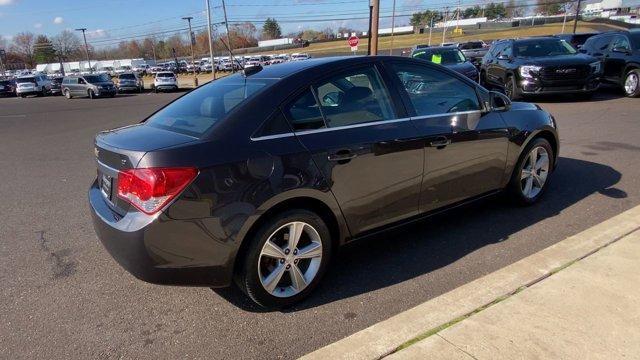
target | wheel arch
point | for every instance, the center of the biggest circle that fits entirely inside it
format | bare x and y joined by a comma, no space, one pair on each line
630,66
332,217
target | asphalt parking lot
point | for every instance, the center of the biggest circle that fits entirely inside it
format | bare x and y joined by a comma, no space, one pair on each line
63,296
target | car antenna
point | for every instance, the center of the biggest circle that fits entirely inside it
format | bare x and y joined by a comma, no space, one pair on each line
233,58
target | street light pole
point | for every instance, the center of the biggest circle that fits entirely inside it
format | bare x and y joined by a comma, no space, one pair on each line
213,64
86,47
193,59
226,24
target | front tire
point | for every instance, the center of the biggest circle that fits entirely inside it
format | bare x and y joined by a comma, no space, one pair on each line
531,174
92,95
632,83
511,88
286,259
67,94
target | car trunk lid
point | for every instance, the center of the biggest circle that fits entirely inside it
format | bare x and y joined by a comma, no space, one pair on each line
123,148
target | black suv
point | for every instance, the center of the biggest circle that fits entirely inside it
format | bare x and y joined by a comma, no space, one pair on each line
619,51
542,65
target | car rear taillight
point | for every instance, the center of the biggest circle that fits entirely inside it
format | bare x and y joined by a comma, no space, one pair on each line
149,190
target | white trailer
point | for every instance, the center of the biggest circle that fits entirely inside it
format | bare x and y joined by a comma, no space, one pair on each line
275,42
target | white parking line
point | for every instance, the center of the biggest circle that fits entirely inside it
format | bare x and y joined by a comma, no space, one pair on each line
18,115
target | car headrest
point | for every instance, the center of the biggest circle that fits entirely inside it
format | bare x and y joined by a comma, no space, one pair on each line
356,93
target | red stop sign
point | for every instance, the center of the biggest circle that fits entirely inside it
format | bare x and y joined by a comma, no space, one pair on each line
353,41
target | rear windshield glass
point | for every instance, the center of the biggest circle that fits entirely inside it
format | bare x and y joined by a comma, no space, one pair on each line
165,75
541,48
126,76
635,39
97,78
198,111
26,80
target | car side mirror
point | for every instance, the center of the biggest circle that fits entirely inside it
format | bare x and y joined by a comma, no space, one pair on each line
499,101
620,49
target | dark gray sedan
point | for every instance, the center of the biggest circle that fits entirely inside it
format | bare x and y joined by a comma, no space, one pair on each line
256,179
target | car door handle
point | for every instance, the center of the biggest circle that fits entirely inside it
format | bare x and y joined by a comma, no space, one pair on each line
440,142
342,156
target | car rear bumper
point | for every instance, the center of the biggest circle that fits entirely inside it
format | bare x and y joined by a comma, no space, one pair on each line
166,87
161,250
128,88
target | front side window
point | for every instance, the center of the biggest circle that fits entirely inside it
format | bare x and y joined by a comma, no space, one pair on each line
198,111
433,92
621,42
354,97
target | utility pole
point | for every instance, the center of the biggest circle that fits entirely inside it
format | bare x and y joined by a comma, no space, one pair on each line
369,29
430,29
444,25
86,47
393,25
575,22
193,58
375,18
226,24
213,63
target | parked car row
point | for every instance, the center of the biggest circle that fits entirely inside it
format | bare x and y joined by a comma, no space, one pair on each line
561,64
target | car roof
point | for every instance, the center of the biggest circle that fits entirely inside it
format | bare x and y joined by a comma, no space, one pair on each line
279,71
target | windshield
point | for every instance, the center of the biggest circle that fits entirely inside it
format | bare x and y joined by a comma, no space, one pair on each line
198,111
127,76
440,56
543,47
91,79
471,45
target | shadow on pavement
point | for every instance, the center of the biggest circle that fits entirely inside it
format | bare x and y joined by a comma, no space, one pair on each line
402,254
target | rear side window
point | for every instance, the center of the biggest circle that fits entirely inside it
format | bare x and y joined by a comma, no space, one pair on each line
304,112
354,97
196,112
432,92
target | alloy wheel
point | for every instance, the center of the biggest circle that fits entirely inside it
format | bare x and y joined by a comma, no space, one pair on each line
290,259
534,172
508,89
631,83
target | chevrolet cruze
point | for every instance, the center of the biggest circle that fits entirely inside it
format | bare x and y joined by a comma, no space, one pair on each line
258,178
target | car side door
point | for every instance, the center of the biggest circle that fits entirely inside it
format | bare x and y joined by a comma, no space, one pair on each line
360,138
465,147
616,58
492,63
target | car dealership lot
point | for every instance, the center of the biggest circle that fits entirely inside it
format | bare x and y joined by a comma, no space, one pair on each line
63,295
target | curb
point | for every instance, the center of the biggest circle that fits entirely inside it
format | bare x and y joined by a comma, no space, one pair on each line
385,337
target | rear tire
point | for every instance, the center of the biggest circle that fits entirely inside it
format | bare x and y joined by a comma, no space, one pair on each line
296,265
631,83
531,174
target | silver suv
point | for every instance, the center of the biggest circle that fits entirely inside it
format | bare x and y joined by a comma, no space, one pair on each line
130,82
33,85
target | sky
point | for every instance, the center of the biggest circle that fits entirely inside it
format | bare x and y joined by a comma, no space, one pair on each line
110,21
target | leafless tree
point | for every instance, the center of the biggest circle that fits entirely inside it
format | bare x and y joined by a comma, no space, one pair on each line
23,46
66,44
